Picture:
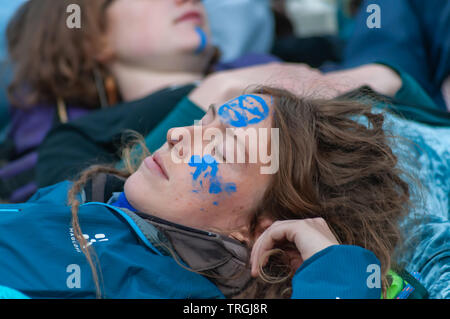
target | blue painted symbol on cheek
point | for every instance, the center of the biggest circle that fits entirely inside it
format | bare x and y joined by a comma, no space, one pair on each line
202,165
203,40
230,188
237,111
216,186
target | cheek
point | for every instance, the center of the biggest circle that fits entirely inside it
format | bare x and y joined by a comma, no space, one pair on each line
251,190
137,31
136,43
207,181
137,192
169,201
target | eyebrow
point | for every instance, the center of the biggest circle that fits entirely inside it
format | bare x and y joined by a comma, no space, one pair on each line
224,127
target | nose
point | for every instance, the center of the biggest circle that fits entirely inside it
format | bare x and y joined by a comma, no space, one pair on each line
173,139
181,2
176,139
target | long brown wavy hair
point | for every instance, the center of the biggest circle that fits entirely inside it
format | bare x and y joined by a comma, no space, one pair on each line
51,60
335,163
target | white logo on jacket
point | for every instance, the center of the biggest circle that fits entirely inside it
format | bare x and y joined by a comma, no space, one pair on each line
97,238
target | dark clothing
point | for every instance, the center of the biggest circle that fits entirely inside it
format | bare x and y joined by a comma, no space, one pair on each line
27,129
97,137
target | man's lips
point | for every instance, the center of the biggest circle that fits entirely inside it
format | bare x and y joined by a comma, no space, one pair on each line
154,163
191,15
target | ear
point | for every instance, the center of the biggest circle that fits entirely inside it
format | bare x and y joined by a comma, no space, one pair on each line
243,235
263,224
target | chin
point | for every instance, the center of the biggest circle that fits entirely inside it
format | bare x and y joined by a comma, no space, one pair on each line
188,40
134,190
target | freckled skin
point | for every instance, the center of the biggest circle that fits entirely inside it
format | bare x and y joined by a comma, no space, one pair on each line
175,199
206,170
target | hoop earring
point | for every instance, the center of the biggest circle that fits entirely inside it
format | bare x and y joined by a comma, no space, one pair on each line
100,88
107,89
62,110
111,90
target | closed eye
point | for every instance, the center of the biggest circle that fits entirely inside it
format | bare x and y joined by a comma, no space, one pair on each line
209,116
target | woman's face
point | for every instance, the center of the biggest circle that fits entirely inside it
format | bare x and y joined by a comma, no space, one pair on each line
195,180
156,33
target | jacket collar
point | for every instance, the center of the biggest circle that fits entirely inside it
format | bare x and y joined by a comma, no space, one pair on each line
220,258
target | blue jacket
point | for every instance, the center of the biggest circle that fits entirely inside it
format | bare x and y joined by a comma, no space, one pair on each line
40,257
413,36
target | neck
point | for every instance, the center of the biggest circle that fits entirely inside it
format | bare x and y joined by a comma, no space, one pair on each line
135,83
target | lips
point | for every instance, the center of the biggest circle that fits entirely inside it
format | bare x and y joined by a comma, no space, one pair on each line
155,164
191,15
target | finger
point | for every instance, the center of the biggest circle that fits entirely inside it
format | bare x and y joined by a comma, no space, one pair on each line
275,233
266,238
258,242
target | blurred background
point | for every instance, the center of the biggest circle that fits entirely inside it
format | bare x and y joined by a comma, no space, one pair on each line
308,31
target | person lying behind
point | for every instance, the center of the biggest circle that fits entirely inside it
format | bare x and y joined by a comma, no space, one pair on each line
124,51
184,223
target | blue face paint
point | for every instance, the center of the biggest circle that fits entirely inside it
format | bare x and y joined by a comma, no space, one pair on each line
203,40
208,166
202,165
244,110
215,187
230,188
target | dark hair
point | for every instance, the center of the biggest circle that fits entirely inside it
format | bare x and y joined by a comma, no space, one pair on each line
335,163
